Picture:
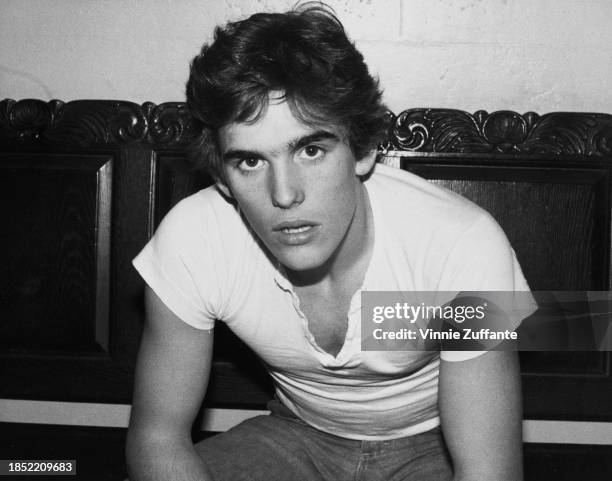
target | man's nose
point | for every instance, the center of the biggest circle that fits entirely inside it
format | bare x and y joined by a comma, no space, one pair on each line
286,187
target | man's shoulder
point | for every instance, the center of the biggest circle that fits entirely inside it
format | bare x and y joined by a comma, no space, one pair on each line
205,218
411,201
204,208
203,201
454,243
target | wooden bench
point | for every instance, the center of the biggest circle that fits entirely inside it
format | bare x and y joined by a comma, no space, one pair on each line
83,185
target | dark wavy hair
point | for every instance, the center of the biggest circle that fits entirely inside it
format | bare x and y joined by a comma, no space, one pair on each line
303,53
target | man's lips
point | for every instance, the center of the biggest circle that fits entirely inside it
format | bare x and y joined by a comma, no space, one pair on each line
294,226
296,232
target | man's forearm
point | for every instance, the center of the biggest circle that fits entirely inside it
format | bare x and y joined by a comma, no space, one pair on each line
480,410
163,460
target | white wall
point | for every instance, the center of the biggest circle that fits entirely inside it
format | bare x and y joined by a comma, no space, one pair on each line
540,55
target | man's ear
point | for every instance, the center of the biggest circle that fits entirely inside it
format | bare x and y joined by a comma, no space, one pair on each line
364,165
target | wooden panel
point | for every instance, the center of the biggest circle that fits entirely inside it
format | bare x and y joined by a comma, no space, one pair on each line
54,258
55,321
175,179
81,132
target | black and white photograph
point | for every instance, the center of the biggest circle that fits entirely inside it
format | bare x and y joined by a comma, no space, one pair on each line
306,241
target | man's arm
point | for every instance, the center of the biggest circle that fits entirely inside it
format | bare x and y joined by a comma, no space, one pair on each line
171,377
481,413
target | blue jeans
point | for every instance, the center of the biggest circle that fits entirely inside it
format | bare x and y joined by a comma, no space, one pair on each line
283,447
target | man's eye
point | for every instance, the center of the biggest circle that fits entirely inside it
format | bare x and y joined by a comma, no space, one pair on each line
313,152
250,164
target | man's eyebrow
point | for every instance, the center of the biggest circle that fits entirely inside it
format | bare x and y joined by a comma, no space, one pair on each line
238,154
317,136
293,145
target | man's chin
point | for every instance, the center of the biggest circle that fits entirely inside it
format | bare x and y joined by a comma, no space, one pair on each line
301,265
301,262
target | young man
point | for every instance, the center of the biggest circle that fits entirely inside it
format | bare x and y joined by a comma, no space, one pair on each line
301,220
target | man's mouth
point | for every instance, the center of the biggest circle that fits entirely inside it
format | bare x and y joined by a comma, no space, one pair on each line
296,230
294,226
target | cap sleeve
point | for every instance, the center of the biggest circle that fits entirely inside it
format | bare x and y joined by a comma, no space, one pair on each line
483,260
178,263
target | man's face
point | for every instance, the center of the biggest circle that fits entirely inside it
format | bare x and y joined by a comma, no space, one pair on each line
296,184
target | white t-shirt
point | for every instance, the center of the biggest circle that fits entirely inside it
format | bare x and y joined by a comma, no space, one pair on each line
205,264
